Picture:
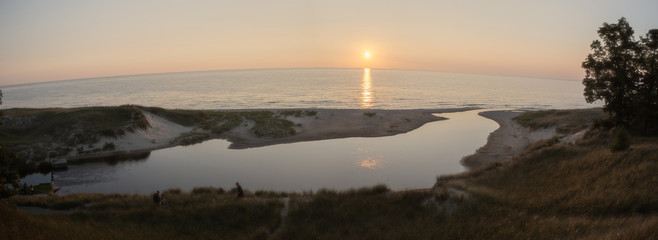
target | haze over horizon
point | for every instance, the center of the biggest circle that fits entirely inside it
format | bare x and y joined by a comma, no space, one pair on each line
60,40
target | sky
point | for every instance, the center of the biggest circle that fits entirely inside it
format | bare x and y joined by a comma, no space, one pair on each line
45,40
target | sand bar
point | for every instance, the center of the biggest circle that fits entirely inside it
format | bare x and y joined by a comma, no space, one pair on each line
341,123
326,124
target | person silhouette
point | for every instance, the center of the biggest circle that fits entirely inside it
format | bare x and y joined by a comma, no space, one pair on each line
163,201
240,192
156,197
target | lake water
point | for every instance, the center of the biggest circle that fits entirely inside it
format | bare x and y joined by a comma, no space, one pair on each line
411,160
303,88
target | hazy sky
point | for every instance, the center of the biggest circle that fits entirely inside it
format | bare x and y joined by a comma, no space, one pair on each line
56,40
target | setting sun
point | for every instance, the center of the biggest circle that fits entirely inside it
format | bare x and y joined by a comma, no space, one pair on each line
366,55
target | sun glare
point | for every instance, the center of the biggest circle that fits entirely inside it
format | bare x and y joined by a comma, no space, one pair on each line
366,54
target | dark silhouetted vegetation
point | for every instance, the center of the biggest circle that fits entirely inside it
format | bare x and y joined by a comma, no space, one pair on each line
192,137
622,141
8,172
623,73
298,113
202,215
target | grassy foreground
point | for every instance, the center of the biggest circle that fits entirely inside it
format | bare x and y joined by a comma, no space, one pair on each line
551,191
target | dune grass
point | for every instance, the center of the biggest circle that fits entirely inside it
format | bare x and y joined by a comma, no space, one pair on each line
566,121
84,124
584,179
265,123
198,215
34,135
298,113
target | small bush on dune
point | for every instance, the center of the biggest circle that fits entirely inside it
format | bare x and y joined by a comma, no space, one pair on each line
172,191
204,190
108,146
269,194
622,140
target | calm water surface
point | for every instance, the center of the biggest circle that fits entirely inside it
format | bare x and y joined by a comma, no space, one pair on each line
303,88
410,160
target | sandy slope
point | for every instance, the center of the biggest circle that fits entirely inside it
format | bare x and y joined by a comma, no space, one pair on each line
508,140
158,136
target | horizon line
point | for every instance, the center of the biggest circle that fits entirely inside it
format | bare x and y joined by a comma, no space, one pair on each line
289,68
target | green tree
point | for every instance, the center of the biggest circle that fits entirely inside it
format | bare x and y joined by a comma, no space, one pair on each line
8,175
612,73
648,85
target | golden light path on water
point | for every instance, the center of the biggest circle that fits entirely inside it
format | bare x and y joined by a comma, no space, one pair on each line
367,96
367,159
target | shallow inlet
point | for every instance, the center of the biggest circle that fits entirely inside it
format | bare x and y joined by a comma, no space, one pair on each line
403,161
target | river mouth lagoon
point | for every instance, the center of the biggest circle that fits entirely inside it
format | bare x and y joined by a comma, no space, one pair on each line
402,161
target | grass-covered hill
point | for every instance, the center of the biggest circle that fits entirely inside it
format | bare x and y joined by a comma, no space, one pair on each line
36,134
553,190
60,130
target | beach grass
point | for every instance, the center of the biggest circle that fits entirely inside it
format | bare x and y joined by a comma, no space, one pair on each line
189,138
566,121
265,123
84,125
298,113
35,135
199,215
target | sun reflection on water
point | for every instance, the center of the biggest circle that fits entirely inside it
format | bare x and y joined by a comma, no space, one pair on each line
367,96
370,162
366,159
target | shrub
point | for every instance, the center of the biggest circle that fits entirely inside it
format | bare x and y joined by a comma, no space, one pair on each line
192,137
370,114
108,146
45,167
108,133
622,141
203,190
172,191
